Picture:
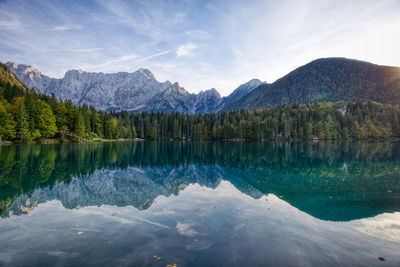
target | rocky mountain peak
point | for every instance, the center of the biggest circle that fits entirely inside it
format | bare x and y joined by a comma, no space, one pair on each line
248,86
22,68
147,73
31,76
210,93
177,89
74,72
12,65
254,82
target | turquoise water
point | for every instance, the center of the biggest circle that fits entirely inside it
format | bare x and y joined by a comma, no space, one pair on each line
200,204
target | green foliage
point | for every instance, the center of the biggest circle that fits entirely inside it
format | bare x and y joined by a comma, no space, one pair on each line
46,121
7,124
330,121
21,118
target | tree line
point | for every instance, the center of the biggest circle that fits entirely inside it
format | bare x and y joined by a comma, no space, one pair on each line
26,115
323,120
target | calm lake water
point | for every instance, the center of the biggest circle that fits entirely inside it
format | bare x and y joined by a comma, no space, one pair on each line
200,204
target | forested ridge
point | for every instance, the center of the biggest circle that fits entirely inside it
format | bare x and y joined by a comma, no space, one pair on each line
26,115
327,80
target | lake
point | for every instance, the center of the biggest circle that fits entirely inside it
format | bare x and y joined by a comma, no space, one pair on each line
200,204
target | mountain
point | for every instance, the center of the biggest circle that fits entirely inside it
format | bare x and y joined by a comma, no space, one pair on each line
114,91
177,99
137,91
327,79
242,91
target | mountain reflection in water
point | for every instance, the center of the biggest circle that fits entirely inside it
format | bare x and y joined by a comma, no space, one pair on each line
200,204
328,180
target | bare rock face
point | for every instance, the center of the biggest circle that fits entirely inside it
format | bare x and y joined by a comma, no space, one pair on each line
177,99
32,77
137,91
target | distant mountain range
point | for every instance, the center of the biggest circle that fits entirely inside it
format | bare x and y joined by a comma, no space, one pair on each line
137,91
326,79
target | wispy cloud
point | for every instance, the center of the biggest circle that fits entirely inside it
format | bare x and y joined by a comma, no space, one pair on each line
153,56
128,60
88,50
198,34
149,18
67,27
186,49
100,66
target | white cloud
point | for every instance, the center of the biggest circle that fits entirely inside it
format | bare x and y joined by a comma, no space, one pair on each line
186,229
67,27
186,49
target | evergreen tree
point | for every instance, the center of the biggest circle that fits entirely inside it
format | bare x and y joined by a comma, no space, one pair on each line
21,119
7,124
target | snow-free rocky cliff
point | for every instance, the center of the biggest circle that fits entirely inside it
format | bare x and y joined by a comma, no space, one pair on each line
136,91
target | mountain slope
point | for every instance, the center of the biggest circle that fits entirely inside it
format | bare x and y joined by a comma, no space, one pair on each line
177,99
6,76
327,79
241,91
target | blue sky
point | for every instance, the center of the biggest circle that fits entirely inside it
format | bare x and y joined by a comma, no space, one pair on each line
200,44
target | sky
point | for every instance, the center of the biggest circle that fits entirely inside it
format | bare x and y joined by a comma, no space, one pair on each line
200,44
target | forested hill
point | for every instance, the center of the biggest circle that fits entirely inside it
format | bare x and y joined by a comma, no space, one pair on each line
327,80
14,84
26,115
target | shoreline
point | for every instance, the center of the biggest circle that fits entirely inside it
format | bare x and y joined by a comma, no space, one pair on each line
263,140
66,141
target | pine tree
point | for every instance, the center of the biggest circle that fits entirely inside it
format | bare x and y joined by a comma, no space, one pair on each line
21,120
7,124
